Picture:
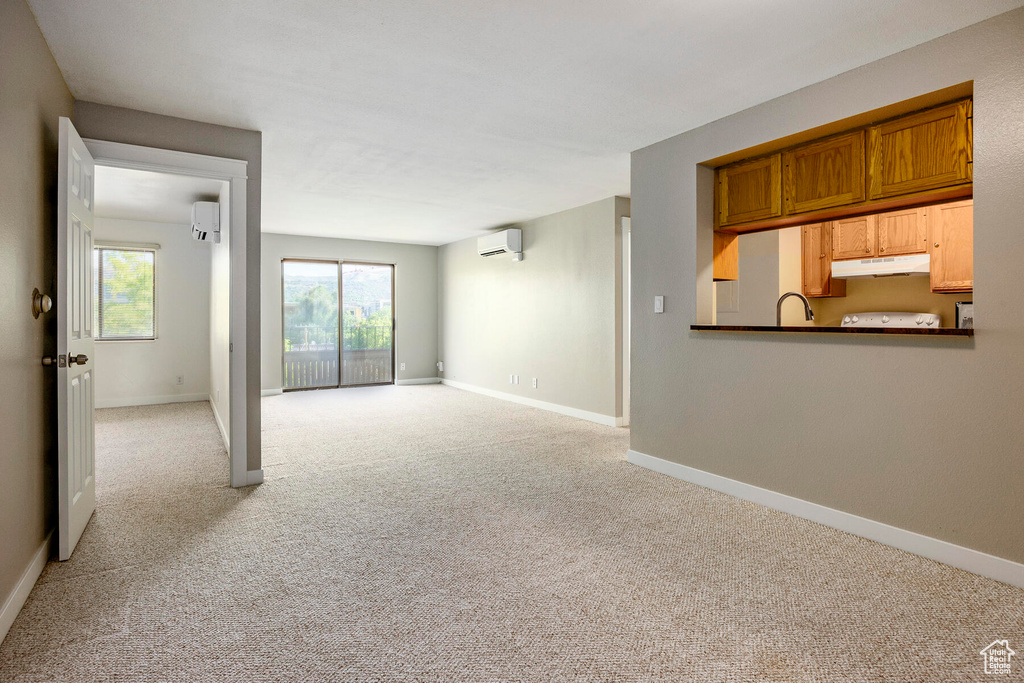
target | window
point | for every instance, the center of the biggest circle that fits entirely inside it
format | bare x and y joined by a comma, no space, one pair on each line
125,292
313,293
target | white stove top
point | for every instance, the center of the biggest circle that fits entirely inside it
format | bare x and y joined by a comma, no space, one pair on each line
891,319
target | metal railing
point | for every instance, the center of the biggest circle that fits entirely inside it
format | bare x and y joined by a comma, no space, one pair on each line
311,356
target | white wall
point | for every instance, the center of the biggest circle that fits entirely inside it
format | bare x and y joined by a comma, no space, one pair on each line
778,411
552,316
415,298
144,372
219,298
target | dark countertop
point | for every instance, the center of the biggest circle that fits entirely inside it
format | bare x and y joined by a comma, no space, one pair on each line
927,331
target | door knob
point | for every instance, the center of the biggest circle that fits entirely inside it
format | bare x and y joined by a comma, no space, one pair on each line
49,361
41,303
80,359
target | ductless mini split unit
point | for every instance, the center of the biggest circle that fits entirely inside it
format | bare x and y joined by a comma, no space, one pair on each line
509,241
206,222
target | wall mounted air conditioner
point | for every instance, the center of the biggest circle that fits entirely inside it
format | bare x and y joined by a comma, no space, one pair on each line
508,241
206,222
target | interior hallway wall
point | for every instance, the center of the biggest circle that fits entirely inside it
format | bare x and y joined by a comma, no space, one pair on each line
552,316
132,127
415,298
780,411
145,372
32,98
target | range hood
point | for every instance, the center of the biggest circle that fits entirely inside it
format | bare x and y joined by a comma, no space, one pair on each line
888,266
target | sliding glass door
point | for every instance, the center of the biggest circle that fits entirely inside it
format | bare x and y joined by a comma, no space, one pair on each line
368,324
310,290
325,349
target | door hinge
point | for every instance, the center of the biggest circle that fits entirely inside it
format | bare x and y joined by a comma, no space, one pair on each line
231,347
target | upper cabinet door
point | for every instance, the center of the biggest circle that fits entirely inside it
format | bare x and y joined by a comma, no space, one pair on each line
853,238
902,232
750,191
816,261
921,152
824,174
951,245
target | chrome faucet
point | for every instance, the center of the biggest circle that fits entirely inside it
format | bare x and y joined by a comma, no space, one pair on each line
808,313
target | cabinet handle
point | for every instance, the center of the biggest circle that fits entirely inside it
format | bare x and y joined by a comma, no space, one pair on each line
882,249
936,245
822,256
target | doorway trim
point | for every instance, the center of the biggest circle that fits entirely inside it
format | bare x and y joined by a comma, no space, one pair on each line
626,312
234,171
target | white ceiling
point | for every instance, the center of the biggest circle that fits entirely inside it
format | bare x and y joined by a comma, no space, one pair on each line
151,197
430,121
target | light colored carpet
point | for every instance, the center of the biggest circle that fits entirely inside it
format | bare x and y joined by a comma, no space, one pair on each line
429,534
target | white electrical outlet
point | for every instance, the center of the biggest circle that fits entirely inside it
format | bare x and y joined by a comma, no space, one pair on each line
181,380
534,382
511,379
659,304
402,367
440,365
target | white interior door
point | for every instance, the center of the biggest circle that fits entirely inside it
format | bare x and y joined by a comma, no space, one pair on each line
76,438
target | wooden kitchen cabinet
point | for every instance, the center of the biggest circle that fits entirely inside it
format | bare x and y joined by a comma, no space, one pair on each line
854,238
902,232
816,262
750,190
726,263
923,151
951,246
824,174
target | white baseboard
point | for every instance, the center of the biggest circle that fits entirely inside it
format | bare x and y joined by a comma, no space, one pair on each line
16,600
149,400
600,419
254,477
420,380
271,392
220,424
973,561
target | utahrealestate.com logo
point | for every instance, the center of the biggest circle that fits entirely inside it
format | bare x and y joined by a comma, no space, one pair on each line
997,657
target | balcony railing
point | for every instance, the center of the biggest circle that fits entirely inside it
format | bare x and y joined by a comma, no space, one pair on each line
311,357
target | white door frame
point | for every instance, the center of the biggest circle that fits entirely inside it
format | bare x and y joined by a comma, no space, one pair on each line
234,171
626,313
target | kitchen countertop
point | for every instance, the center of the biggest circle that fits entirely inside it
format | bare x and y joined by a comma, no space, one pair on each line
927,331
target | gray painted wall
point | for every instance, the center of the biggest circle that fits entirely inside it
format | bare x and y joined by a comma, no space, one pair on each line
552,316
32,97
415,297
781,412
132,127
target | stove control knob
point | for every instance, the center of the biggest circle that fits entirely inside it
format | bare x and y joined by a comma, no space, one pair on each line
920,319
846,320
929,321
885,319
854,318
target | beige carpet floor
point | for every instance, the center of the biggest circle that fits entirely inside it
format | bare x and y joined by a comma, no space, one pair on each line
429,534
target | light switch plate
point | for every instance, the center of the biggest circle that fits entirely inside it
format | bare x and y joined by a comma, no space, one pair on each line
659,304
